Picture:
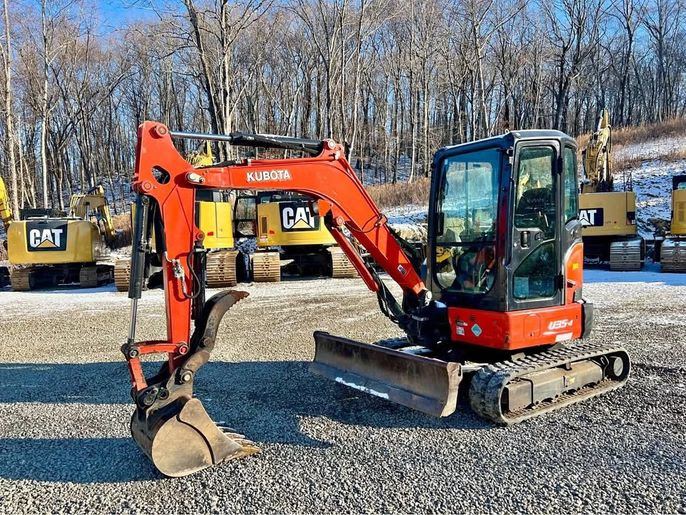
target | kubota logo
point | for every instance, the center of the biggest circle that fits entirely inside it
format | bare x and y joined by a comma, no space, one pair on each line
46,236
269,175
297,216
560,324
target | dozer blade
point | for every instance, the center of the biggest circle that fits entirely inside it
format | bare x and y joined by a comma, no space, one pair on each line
181,441
425,384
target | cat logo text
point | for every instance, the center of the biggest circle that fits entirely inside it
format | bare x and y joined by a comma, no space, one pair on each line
46,236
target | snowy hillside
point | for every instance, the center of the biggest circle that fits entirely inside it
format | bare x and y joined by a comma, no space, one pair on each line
652,179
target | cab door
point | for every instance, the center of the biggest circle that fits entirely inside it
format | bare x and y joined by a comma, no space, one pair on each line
535,268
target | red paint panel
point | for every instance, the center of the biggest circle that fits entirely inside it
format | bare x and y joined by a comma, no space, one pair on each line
515,329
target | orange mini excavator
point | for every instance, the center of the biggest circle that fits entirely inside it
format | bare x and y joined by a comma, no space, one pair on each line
501,302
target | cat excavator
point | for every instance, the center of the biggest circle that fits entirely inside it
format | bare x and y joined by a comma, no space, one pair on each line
607,214
287,231
504,312
673,249
48,247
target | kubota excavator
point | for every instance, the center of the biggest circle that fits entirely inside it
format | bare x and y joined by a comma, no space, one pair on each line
505,309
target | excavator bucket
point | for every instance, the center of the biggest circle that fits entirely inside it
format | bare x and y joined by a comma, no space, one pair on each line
171,426
425,384
184,439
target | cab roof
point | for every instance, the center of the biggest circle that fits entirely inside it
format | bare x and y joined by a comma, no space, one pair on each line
505,141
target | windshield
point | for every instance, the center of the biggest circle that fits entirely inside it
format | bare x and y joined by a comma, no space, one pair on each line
465,245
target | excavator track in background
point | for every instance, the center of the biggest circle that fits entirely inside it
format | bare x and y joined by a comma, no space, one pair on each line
341,267
95,275
266,267
21,279
122,274
625,255
512,391
221,268
673,255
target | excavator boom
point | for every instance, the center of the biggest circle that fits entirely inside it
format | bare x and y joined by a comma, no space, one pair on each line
166,185
94,201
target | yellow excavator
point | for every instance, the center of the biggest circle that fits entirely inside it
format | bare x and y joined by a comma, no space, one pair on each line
214,211
673,250
290,233
608,216
47,247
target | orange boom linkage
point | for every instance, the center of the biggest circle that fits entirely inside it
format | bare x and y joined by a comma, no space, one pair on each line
503,267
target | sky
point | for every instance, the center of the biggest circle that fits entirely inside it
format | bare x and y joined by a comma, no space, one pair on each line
116,13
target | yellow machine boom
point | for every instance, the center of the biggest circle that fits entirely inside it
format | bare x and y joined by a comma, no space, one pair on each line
608,217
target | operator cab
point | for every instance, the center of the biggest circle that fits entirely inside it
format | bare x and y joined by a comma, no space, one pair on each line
497,206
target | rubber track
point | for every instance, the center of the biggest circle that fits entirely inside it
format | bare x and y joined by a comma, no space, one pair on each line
487,385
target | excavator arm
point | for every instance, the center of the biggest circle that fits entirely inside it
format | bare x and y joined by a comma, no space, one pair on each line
166,184
82,205
596,157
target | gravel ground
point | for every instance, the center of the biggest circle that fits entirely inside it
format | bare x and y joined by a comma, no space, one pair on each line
65,446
